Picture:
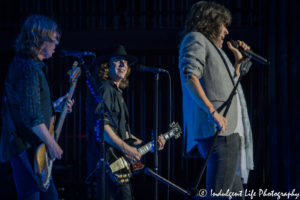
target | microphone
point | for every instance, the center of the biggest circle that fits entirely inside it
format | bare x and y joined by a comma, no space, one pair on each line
64,53
150,69
250,53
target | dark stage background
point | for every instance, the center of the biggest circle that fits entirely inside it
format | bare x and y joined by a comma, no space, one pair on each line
149,29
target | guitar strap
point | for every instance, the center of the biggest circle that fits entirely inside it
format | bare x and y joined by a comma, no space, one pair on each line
16,143
127,119
121,99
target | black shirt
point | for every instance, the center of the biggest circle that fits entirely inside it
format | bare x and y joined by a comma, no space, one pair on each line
28,97
112,96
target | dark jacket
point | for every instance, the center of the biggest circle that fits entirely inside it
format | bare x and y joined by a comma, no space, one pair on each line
28,99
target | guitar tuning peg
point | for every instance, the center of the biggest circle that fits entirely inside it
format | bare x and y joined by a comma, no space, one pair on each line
70,72
74,65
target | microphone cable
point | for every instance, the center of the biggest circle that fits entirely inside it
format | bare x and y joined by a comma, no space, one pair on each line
94,58
169,141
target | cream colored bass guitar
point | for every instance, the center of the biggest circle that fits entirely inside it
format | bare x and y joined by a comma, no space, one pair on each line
42,160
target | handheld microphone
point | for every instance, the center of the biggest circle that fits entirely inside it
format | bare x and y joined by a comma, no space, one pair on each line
64,53
150,69
250,53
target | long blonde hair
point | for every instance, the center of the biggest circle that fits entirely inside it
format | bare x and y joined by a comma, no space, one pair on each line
35,30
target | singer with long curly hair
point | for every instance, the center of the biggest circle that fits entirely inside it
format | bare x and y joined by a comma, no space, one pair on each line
207,79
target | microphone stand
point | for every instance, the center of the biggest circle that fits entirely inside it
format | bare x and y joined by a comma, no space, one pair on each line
104,110
244,68
194,192
156,77
186,193
156,130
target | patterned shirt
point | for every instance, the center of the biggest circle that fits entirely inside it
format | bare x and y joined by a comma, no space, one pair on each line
28,98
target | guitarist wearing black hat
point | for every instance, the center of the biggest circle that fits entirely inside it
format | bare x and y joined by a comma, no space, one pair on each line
110,72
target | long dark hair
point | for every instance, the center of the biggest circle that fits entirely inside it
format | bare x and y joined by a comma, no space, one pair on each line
207,18
35,30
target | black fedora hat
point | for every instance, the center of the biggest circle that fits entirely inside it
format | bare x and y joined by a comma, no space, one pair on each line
112,51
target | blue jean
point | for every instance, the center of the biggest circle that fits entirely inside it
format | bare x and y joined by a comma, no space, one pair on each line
222,164
27,187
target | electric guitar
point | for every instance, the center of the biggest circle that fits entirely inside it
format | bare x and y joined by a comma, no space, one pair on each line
120,169
42,159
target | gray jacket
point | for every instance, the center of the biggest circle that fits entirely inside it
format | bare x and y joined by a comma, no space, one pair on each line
198,56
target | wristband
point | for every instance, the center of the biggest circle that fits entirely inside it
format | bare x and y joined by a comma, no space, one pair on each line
212,116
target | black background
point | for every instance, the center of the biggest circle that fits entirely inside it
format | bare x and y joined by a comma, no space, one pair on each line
149,30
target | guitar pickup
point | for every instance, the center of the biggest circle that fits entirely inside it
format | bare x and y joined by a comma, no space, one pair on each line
119,164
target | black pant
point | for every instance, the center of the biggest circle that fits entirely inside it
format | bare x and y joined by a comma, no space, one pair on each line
222,164
113,191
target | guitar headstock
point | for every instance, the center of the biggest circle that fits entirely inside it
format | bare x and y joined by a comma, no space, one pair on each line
176,129
74,73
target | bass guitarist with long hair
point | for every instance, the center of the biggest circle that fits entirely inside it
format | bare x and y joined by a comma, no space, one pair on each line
27,106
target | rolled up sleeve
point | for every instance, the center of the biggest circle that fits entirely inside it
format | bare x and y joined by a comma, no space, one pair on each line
192,56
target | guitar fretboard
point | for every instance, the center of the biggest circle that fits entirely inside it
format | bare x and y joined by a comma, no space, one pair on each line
148,147
65,107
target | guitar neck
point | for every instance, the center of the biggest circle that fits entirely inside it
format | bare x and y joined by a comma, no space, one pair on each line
64,112
148,147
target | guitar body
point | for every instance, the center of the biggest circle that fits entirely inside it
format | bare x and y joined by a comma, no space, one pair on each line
42,161
119,168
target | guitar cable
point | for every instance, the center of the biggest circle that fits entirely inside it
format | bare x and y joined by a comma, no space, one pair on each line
94,58
89,177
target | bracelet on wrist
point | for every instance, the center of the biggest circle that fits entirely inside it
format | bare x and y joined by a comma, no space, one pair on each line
212,115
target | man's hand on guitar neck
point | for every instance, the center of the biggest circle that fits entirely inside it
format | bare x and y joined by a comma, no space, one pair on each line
59,103
54,149
161,142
